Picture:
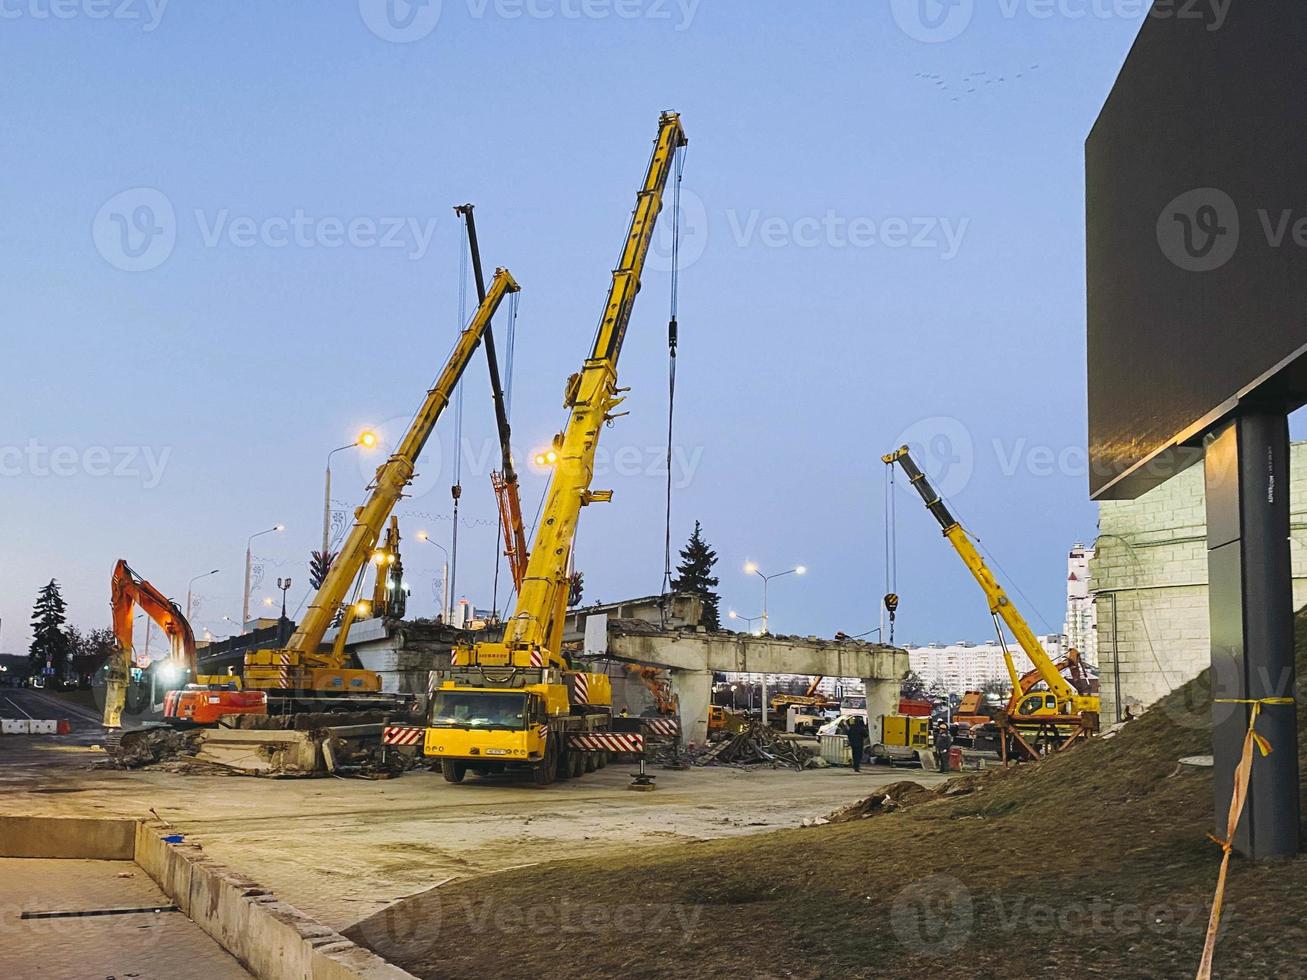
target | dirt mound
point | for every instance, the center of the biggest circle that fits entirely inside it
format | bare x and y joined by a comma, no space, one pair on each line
895,796
1095,863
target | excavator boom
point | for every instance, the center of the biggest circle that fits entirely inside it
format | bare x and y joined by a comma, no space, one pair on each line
127,590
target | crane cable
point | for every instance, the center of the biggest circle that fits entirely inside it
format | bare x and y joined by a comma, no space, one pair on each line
456,491
672,338
891,550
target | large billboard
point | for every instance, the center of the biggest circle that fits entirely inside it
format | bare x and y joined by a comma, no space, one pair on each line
1196,217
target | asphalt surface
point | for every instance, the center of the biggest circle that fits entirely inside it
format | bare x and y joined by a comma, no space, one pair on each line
25,702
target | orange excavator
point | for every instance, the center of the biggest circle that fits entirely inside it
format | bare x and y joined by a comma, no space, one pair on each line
191,699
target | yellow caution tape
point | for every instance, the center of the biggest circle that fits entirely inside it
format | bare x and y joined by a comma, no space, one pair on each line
1242,773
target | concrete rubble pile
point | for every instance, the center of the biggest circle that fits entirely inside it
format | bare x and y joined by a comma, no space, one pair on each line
758,745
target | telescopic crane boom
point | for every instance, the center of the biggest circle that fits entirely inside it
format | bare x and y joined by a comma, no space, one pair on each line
518,702
303,666
1070,701
591,395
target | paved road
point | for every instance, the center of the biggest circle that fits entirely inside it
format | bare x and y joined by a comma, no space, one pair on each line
24,702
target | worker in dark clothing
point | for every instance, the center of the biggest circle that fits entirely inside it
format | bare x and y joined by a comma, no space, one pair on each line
857,735
943,743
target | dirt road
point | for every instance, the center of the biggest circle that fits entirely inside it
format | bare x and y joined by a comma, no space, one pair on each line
342,849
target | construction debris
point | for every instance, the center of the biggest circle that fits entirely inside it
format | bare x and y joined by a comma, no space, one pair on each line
757,744
279,747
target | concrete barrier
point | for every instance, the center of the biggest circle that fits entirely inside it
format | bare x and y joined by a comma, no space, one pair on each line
30,726
88,838
272,940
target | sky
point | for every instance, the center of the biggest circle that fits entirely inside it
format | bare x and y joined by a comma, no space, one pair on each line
229,246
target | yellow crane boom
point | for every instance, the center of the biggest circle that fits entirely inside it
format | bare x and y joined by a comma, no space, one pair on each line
591,395
1000,605
302,665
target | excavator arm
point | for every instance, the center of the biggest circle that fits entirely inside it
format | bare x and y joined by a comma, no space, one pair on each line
999,603
127,591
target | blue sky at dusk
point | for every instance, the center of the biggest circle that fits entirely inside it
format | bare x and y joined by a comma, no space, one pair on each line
229,244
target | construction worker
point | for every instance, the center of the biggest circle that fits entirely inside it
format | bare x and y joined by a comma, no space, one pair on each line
857,736
943,743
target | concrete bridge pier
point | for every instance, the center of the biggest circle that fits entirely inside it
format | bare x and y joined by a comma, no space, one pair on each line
692,657
693,690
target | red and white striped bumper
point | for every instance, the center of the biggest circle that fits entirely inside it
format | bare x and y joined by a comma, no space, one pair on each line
607,742
401,735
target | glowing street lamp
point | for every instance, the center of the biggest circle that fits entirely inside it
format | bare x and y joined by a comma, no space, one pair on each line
367,439
749,620
751,568
249,568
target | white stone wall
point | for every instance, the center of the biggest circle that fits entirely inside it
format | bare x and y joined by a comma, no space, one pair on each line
1150,570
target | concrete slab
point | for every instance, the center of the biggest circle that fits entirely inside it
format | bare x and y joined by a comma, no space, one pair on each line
148,946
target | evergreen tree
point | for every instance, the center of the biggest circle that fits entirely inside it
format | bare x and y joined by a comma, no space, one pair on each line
50,643
912,686
695,576
319,565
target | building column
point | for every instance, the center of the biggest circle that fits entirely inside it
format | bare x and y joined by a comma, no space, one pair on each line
693,694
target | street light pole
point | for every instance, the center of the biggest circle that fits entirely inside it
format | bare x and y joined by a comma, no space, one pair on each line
766,631
445,611
750,620
752,569
367,440
249,568
188,590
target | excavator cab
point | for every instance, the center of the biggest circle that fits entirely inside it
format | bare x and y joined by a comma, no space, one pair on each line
1040,703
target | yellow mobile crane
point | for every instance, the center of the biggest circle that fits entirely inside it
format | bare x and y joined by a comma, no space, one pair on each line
303,669
1054,718
519,703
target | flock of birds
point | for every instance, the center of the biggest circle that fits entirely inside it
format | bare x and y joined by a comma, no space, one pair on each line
973,83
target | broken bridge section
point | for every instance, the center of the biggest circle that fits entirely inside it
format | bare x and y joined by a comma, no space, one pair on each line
694,655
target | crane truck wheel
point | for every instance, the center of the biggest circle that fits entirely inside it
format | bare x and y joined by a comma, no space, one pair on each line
576,765
453,771
591,762
567,765
547,770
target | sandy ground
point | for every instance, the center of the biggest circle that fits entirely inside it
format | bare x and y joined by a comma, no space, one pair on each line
342,849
